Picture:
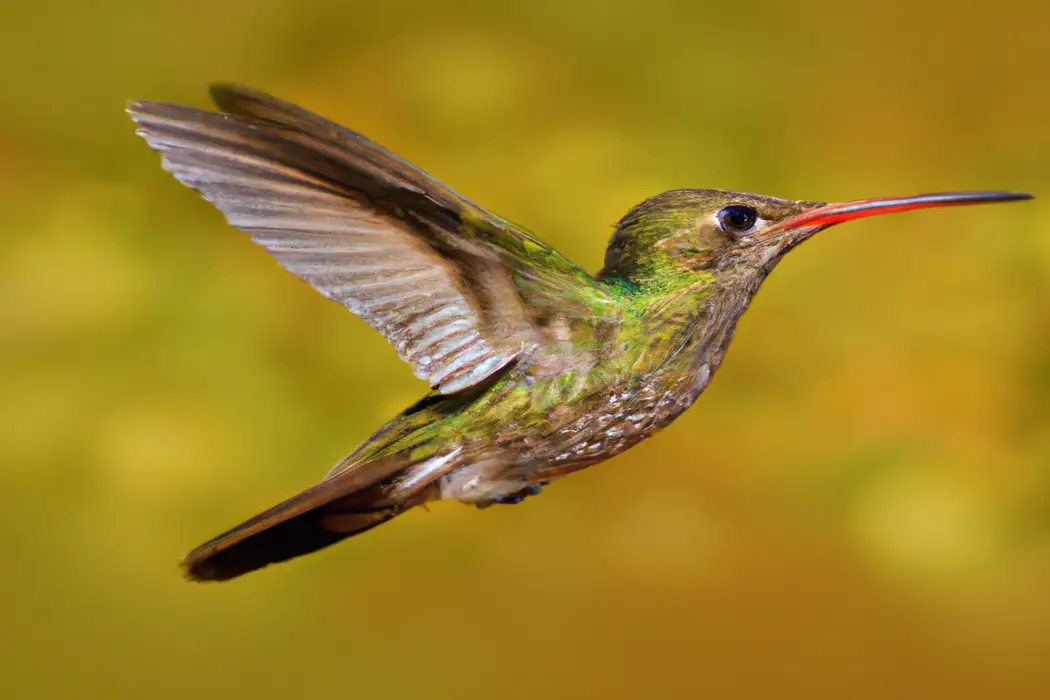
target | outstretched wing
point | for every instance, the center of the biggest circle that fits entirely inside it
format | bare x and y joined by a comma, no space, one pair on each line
457,290
549,283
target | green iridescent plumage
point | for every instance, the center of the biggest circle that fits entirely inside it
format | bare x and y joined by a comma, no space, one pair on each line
538,368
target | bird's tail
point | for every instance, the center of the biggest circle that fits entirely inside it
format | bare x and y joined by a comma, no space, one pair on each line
347,503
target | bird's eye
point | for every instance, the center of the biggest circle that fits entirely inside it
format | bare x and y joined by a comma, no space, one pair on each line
737,218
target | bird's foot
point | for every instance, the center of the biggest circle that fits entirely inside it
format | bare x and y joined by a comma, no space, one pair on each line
533,490
517,497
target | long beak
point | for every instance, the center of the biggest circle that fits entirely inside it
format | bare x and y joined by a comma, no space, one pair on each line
829,214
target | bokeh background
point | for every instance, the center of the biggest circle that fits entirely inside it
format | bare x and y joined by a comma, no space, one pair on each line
859,506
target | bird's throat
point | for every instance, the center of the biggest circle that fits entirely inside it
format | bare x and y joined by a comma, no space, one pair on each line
683,334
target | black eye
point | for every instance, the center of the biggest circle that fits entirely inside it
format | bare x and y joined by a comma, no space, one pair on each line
737,218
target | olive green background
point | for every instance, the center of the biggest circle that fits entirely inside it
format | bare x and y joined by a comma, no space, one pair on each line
858,507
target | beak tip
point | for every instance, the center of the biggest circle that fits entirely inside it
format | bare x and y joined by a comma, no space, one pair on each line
1005,196
829,214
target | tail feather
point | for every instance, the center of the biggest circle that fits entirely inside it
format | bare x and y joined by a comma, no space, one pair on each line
348,503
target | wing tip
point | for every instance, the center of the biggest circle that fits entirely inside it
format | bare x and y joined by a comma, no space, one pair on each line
220,92
139,110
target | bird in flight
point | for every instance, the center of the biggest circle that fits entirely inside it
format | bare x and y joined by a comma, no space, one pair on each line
537,368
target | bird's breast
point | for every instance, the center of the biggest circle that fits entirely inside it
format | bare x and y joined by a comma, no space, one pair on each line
618,416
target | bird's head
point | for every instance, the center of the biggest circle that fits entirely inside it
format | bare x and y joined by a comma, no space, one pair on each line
683,235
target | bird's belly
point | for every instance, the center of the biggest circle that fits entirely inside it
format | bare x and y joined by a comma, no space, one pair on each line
570,438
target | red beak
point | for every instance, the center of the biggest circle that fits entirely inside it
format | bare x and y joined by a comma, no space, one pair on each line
846,211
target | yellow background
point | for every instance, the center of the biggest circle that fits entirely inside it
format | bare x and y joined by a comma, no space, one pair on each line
858,507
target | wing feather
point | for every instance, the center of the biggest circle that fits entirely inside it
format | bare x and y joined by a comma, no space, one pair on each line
548,283
277,186
458,291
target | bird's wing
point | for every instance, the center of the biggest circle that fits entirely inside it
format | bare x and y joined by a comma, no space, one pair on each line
458,291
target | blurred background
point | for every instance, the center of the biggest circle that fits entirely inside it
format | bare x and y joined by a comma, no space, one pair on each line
859,506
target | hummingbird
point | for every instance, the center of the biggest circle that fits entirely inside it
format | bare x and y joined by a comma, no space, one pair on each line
537,369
